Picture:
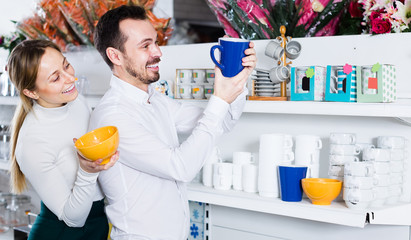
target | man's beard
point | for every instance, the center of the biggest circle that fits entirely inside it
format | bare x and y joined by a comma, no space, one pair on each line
143,78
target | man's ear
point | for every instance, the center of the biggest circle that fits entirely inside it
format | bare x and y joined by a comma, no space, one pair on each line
114,55
31,94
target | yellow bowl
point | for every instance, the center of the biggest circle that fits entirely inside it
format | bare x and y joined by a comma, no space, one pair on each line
321,191
100,143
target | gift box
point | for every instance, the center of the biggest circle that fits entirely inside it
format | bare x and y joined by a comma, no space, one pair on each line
341,83
194,83
377,83
308,83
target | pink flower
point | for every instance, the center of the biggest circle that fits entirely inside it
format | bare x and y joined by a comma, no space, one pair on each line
229,30
379,26
254,11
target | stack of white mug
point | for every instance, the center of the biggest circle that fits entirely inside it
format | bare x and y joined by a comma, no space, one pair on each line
399,169
343,149
245,172
275,149
358,192
307,153
380,158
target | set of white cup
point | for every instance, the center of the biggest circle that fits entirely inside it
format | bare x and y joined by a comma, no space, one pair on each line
277,149
241,174
343,149
195,83
378,179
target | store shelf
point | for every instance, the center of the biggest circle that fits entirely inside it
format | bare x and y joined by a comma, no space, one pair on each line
401,108
336,213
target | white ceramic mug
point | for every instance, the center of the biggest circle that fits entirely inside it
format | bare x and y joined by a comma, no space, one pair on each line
210,75
395,178
208,175
381,167
376,154
340,149
243,158
392,142
185,91
250,178
360,169
359,182
307,149
342,159
199,75
336,171
185,75
381,195
198,92
398,154
343,138
222,175
382,179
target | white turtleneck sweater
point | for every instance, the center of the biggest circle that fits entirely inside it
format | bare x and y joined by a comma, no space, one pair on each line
46,155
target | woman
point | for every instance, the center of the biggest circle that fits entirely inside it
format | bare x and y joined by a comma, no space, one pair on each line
50,116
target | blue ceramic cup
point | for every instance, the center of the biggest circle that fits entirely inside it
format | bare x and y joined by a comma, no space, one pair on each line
231,54
290,182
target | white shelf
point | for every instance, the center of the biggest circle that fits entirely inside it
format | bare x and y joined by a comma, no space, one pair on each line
336,213
400,108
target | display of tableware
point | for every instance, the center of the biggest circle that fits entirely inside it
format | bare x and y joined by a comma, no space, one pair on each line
342,159
4,142
239,159
359,182
343,138
207,173
100,143
321,191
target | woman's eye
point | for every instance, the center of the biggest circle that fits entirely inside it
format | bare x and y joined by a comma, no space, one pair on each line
56,79
67,65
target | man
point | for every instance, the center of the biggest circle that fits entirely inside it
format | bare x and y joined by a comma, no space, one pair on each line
146,189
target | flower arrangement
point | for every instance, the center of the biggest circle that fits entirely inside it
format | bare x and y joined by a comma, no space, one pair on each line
385,16
261,19
72,22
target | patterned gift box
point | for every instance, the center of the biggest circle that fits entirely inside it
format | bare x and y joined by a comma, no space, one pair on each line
377,85
308,83
344,80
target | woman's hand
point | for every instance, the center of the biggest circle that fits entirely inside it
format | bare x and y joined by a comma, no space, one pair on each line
95,166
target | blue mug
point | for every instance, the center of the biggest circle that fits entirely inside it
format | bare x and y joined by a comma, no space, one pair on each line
231,55
290,182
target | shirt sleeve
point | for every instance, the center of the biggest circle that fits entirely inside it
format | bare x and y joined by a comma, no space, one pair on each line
70,204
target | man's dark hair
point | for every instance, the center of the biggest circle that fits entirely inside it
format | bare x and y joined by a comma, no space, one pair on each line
108,34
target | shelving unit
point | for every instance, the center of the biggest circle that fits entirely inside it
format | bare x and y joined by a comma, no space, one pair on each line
401,108
336,213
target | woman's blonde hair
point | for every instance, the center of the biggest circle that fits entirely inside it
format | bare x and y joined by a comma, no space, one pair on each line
22,67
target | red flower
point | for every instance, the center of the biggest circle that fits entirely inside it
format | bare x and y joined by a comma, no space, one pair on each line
375,15
380,26
355,9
